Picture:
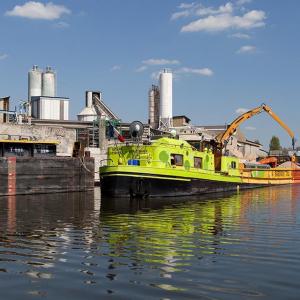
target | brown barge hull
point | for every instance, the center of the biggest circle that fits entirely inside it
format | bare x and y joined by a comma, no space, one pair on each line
45,175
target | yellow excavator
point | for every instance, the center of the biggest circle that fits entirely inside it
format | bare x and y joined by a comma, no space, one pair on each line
222,138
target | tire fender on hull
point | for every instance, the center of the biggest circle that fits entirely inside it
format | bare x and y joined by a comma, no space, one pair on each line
139,187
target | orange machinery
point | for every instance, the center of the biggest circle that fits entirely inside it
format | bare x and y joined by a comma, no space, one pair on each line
223,137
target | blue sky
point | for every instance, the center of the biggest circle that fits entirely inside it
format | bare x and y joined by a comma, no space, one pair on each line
225,55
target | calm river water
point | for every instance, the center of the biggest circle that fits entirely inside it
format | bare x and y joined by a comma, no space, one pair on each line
78,246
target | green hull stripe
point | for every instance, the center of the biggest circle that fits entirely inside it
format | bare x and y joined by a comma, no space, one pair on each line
146,176
169,173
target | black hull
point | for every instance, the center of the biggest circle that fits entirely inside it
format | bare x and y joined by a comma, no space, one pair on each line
128,186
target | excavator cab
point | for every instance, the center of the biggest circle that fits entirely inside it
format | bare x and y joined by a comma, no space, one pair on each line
270,160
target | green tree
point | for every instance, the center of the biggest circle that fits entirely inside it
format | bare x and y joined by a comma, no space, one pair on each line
275,143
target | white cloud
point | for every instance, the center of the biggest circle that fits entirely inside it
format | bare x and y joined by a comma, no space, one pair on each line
223,9
241,36
3,56
232,15
115,68
186,5
224,21
160,61
246,49
241,110
156,62
243,2
141,69
38,10
200,10
202,72
180,14
251,128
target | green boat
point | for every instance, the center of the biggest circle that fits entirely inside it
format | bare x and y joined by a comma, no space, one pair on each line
172,167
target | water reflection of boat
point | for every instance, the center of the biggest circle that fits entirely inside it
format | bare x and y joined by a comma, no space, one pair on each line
245,199
166,226
171,167
133,205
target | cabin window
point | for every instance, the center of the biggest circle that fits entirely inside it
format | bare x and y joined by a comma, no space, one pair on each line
41,150
233,165
16,149
176,160
197,145
198,162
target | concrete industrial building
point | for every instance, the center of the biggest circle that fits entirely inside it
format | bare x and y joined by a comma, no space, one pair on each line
161,118
42,99
50,108
46,117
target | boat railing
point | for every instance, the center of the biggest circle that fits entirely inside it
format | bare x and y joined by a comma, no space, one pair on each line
105,160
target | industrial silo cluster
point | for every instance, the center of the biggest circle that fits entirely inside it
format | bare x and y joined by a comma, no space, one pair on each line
44,104
41,83
160,102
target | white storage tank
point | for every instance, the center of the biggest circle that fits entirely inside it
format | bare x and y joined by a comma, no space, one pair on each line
34,82
165,112
49,83
88,114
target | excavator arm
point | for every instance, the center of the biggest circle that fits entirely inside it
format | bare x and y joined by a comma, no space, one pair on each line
223,137
280,122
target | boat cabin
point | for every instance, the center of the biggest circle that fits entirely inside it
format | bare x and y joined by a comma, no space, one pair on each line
171,153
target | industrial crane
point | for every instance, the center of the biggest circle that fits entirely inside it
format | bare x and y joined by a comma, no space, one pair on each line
223,137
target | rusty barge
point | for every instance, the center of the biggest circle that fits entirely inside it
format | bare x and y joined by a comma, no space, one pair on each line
32,167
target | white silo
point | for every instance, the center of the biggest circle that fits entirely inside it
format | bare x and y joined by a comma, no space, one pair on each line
49,83
88,114
34,82
165,113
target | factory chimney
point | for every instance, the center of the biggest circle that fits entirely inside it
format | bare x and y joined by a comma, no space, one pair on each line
154,103
165,113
